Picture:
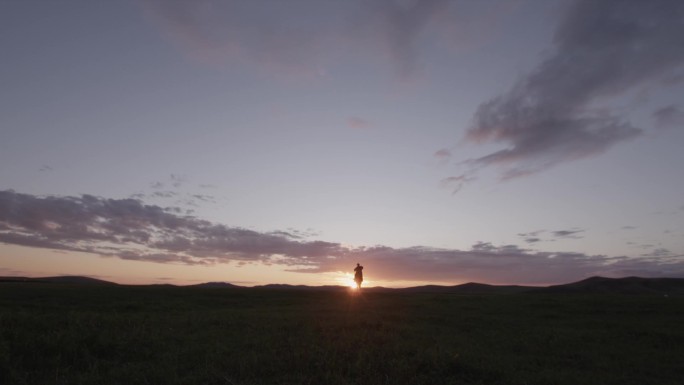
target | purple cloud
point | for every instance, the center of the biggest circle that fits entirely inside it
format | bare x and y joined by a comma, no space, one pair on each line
485,262
233,32
659,252
531,233
131,230
164,194
357,123
4,271
284,38
601,49
669,117
456,183
443,155
400,25
572,234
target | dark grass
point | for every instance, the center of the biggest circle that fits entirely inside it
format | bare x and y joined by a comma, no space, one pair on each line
70,334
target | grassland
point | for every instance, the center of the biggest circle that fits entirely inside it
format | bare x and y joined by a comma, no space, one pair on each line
80,334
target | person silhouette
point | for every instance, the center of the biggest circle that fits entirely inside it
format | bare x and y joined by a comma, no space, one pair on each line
358,275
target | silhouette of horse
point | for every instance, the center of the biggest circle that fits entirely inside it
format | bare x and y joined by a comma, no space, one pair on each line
358,275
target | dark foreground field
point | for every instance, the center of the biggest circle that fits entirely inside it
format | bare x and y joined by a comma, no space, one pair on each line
70,334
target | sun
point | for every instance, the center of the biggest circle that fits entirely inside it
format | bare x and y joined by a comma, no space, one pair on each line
347,280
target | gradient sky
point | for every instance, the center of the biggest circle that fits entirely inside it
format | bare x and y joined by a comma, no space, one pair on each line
505,142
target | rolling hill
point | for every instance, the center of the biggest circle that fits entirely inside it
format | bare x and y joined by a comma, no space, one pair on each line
628,285
65,279
593,285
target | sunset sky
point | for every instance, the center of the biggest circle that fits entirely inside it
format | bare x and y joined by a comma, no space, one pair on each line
505,142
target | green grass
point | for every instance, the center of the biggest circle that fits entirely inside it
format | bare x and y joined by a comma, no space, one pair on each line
62,334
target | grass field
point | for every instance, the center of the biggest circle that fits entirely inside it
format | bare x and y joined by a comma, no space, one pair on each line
81,334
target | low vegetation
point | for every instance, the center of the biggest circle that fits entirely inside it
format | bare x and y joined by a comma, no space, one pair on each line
98,334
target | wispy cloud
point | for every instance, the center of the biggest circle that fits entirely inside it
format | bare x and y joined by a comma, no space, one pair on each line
659,252
535,236
456,183
669,117
505,264
234,32
531,233
164,194
357,123
176,186
601,49
443,155
178,180
572,234
131,230
298,37
400,25
11,272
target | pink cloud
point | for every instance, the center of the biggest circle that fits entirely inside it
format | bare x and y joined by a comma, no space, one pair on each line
443,155
669,117
131,230
358,123
301,38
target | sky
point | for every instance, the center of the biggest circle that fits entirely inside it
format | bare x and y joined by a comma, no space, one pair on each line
531,142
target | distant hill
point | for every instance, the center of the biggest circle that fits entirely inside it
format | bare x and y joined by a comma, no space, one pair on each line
301,287
67,279
75,279
469,288
628,285
593,285
215,284
15,279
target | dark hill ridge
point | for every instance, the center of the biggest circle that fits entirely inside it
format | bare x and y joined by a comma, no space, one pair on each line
593,285
67,279
215,284
469,288
300,287
74,279
628,285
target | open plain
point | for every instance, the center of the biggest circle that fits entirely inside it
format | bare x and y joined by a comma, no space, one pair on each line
108,334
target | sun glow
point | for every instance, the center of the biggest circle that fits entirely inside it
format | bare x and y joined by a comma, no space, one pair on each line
347,280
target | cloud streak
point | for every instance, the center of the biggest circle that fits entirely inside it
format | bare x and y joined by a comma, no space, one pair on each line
669,117
357,123
400,25
601,50
572,234
131,230
285,39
